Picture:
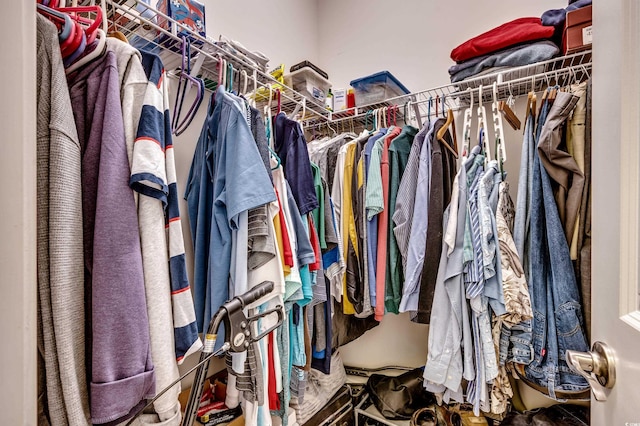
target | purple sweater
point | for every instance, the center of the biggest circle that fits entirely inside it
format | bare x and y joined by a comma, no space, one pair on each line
122,373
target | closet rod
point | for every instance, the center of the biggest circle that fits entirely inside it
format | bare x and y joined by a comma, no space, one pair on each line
559,71
139,19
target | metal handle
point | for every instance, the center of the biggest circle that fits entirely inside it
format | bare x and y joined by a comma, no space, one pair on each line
597,366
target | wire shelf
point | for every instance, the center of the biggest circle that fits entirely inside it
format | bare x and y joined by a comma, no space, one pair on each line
147,27
512,82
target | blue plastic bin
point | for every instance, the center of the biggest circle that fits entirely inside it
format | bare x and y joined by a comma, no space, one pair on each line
377,87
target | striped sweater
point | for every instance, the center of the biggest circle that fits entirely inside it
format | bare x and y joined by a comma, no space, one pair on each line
153,173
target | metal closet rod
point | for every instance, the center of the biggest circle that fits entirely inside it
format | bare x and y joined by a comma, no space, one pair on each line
458,94
127,10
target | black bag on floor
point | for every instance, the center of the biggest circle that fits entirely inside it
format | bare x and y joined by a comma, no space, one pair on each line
398,397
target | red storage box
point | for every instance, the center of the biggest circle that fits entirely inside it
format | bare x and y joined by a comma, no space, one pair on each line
577,32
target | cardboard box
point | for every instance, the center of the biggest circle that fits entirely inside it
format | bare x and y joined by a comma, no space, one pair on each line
578,30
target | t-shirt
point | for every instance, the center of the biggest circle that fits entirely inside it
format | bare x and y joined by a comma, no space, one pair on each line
227,166
153,155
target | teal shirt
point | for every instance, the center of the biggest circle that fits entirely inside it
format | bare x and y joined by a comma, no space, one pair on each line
318,214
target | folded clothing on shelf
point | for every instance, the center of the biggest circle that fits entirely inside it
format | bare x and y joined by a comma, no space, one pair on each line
518,31
517,56
556,17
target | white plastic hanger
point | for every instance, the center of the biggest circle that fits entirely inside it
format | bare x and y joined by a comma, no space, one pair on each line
245,81
94,54
482,127
466,127
498,129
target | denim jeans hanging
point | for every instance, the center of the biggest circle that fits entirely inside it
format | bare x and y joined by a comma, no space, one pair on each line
555,298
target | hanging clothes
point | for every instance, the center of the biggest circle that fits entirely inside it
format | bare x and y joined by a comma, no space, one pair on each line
62,386
227,178
558,323
399,151
112,248
405,199
447,363
292,150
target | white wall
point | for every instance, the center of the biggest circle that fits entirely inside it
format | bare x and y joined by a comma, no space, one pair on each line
18,211
410,38
284,30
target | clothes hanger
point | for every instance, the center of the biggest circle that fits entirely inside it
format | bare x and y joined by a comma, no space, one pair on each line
71,37
223,70
466,127
275,157
78,52
73,42
63,21
92,24
406,117
255,88
366,122
498,129
416,111
185,80
297,117
531,101
219,69
229,79
482,121
245,81
443,131
507,112
97,52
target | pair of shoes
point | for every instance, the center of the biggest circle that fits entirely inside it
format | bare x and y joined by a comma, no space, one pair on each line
462,415
424,417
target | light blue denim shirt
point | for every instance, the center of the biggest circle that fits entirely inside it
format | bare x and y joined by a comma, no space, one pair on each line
450,347
488,190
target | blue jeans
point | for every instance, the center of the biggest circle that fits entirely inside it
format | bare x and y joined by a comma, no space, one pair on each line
557,322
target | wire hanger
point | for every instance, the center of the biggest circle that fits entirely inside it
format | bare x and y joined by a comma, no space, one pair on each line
185,80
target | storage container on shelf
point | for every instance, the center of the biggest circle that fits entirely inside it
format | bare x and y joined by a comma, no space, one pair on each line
377,87
308,83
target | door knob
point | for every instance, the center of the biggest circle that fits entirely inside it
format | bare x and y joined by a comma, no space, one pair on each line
597,366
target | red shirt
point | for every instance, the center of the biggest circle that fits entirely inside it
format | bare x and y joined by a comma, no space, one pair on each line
383,226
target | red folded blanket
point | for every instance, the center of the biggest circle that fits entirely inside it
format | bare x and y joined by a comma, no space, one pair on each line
518,31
